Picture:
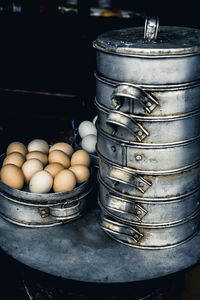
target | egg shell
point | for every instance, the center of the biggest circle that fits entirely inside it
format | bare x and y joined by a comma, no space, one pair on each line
80,157
38,145
30,167
12,176
41,182
81,173
54,168
89,142
16,147
66,148
64,181
59,157
86,128
14,158
38,155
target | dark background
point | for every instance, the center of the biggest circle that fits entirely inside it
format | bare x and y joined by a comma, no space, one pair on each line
47,87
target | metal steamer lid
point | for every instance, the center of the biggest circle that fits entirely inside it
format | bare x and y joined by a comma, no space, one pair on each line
151,40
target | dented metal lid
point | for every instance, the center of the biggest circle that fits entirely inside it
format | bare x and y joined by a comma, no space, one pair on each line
151,40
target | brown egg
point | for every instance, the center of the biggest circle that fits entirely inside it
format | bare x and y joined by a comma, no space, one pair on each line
14,158
30,167
16,147
64,181
54,168
59,157
12,176
80,157
81,173
38,155
66,148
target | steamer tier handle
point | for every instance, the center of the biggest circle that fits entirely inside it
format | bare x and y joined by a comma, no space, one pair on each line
119,119
118,229
117,175
65,213
116,204
132,93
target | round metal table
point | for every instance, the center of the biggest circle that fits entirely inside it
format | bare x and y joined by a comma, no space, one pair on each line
82,251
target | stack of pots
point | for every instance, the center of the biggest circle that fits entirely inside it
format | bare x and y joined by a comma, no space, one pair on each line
148,100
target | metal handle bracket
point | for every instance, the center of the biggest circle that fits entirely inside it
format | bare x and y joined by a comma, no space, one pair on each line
117,118
134,180
133,93
151,28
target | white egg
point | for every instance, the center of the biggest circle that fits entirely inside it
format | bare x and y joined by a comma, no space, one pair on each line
41,182
86,128
30,167
88,143
38,145
94,120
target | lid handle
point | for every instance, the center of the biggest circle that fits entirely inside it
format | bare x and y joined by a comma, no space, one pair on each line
151,28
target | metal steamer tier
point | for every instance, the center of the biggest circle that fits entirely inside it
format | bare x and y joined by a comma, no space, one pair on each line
147,96
43,210
152,55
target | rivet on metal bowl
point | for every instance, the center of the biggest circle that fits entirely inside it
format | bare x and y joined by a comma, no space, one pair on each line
113,148
138,157
148,104
139,133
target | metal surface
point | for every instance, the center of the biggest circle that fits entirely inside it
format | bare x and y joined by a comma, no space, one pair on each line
150,237
123,55
42,215
149,212
145,100
82,251
148,158
151,129
130,183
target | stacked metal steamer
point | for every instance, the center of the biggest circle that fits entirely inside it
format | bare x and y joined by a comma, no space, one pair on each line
148,100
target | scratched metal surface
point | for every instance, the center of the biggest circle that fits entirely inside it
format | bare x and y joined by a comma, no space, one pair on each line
82,251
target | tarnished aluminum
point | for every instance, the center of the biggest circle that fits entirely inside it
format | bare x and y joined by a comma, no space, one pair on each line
151,129
145,158
76,145
41,210
168,55
129,183
145,100
150,237
148,211
41,215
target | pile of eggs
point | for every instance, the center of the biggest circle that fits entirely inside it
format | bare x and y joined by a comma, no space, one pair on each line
88,134
43,168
